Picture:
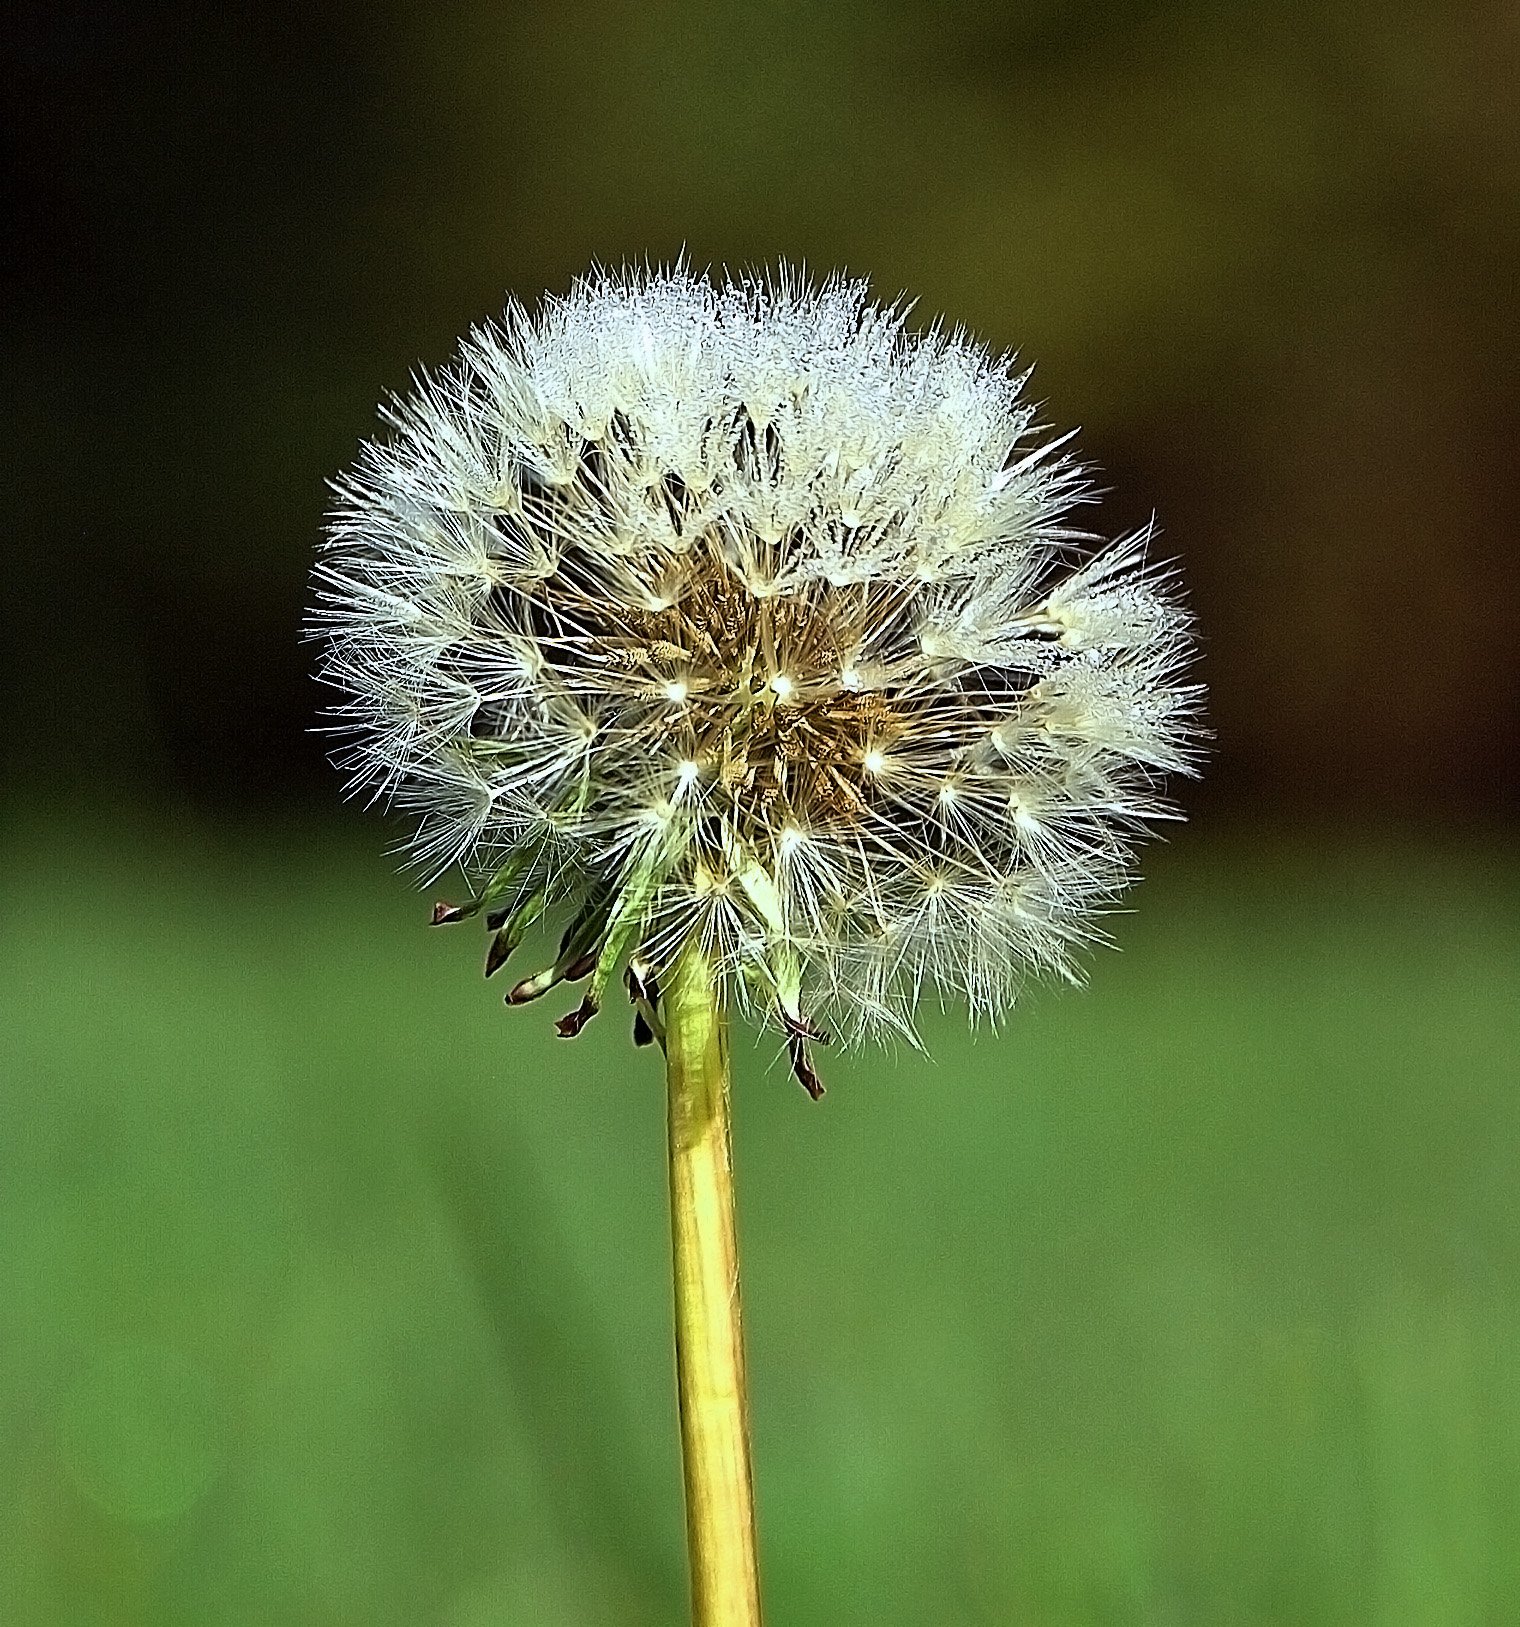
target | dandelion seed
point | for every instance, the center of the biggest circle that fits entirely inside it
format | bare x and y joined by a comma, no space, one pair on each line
763,533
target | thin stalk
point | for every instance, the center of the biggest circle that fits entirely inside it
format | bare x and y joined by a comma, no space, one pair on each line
720,1504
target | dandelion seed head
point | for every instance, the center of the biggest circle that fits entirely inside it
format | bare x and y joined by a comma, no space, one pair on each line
739,609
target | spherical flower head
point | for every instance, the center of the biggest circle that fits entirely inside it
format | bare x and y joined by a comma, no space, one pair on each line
738,612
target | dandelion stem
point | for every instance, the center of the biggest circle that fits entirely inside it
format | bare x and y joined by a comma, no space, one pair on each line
720,1512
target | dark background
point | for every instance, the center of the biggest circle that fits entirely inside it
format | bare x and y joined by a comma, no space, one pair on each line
1265,255
330,1293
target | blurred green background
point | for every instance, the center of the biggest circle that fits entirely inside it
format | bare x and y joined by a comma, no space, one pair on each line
330,1292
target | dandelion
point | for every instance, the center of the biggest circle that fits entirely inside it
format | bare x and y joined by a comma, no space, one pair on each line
748,637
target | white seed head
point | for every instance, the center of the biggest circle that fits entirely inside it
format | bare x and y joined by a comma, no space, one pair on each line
740,611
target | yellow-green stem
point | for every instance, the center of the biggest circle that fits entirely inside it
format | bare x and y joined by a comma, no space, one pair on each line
720,1506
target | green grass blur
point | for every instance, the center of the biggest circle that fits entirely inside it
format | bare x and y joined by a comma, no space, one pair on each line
333,1293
